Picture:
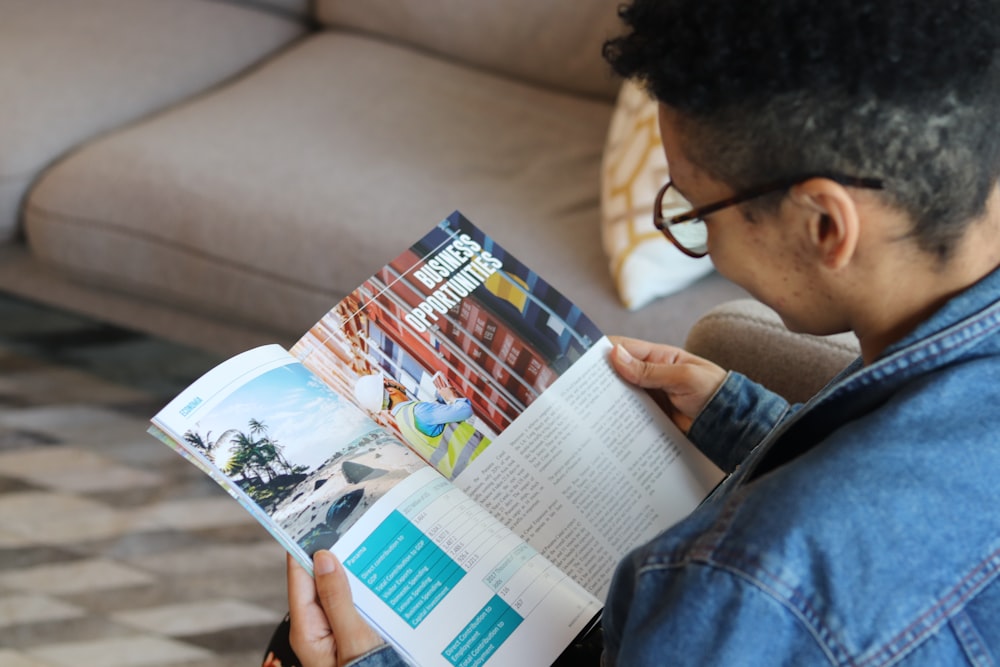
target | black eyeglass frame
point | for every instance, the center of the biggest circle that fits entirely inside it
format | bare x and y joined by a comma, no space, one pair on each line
699,213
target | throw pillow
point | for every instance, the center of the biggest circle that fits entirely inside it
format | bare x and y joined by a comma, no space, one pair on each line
644,264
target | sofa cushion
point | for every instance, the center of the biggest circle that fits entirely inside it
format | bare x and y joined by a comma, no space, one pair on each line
268,200
300,9
644,264
746,336
555,44
72,70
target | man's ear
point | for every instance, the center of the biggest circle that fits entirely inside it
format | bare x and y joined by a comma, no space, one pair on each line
832,220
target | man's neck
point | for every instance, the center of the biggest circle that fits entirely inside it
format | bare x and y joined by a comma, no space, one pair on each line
910,287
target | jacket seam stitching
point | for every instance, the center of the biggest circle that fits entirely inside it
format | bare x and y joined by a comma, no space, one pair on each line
945,341
886,654
814,629
932,619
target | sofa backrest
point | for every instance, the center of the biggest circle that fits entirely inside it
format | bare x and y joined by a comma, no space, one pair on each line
298,9
554,44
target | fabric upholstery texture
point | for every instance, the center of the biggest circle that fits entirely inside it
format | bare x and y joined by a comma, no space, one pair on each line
746,336
298,8
230,170
270,228
643,263
75,83
553,44
421,135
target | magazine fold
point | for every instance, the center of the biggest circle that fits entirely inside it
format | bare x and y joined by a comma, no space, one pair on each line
454,431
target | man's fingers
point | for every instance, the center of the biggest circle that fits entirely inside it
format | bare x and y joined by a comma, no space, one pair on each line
638,369
353,636
309,631
332,587
645,350
688,381
301,590
627,365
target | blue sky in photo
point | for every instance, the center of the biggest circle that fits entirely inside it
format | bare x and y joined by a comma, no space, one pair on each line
303,415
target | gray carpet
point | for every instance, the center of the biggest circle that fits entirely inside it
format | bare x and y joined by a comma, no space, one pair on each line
114,551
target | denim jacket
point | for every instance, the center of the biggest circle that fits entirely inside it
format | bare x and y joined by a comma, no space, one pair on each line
861,529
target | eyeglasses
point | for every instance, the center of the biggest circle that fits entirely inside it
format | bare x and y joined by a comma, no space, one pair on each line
688,229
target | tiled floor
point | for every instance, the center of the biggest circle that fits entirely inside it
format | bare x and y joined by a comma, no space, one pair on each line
114,551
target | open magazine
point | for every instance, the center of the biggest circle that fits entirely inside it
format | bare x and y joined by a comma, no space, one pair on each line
454,432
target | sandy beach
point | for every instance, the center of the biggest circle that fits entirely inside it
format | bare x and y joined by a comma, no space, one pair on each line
390,463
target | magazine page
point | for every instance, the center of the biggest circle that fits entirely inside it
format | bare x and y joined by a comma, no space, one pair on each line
590,470
302,460
450,585
460,337
504,386
439,577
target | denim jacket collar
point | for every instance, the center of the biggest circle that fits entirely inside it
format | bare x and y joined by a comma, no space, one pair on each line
948,336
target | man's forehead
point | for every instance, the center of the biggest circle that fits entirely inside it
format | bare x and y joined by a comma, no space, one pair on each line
684,173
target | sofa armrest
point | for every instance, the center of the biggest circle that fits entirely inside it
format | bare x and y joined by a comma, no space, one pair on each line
73,71
748,337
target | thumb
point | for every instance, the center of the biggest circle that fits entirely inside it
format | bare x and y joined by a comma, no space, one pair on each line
353,636
650,376
647,374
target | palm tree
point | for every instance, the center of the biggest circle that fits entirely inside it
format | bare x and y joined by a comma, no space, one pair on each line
257,426
205,444
241,460
257,454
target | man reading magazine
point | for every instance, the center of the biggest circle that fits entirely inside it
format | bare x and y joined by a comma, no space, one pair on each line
483,526
841,161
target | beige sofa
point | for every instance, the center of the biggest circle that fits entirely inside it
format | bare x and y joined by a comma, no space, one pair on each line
222,172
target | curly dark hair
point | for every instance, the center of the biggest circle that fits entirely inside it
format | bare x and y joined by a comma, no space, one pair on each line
903,90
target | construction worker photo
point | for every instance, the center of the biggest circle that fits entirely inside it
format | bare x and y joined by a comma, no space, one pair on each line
439,430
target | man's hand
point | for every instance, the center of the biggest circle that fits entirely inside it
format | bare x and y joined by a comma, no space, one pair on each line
447,392
688,381
326,630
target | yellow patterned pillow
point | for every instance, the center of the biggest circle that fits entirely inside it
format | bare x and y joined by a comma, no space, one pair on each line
644,265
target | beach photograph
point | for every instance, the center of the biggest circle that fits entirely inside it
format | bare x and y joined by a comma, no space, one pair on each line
308,458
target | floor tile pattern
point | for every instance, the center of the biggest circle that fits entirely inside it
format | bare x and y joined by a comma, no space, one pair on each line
114,551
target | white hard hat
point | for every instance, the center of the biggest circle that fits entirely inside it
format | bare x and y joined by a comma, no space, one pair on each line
369,392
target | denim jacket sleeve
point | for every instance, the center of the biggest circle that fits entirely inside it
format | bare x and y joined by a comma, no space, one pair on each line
383,656
736,419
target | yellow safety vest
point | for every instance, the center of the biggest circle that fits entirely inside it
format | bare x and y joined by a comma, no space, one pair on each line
450,451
